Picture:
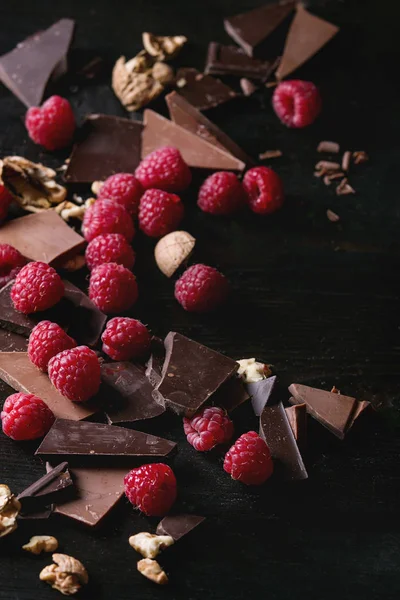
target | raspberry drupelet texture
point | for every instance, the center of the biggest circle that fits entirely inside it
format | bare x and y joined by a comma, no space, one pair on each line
208,428
221,194
297,103
26,417
124,189
45,341
164,169
264,190
75,373
201,288
159,213
112,288
106,216
51,125
151,488
5,201
249,460
125,338
37,287
110,247
11,262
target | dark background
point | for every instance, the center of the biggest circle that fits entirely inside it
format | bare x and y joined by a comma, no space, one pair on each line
317,299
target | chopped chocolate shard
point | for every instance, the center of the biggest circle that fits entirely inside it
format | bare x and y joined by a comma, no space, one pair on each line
10,341
344,188
155,363
329,147
231,394
191,374
307,35
261,393
268,154
108,145
327,166
332,216
346,160
46,490
327,179
202,91
276,431
231,60
297,417
37,515
248,88
178,525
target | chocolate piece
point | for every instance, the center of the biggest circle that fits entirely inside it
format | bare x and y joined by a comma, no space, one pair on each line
108,145
81,438
231,60
187,116
261,393
276,431
155,363
248,88
28,68
297,417
18,372
307,35
191,374
39,515
329,147
202,91
12,342
231,394
178,525
46,490
43,236
251,28
135,401
196,151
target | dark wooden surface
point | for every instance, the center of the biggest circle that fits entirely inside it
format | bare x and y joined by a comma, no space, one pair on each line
318,300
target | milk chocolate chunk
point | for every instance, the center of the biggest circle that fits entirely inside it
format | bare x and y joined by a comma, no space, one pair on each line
202,91
18,372
307,35
134,401
230,395
178,525
277,433
46,490
191,374
231,60
12,342
261,393
155,363
28,69
297,417
107,145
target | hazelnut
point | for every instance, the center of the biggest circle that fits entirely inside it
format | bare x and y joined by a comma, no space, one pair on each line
152,570
252,371
41,543
67,575
172,250
150,545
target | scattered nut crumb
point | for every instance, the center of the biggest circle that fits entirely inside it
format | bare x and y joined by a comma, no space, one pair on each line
163,47
346,160
150,545
344,188
96,187
163,73
359,156
332,216
181,82
252,371
172,250
248,88
67,575
334,390
270,154
41,543
152,570
9,510
326,146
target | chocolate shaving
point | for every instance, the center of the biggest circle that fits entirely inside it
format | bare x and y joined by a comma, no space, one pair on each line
331,177
247,86
270,154
346,160
332,216
344,188
327,165
360,157
47,489
329,147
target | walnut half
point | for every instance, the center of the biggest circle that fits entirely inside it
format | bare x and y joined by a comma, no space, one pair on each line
67,575
150,545
134,88
41,543
163,47
152,570
252,371
9,510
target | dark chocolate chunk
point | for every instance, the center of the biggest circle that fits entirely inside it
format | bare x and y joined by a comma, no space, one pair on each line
191,374
297,417
107,145
231,60
178,525
46,490
248,88
202,91
12,342
277,433
37,515
155,363
230,395
261,393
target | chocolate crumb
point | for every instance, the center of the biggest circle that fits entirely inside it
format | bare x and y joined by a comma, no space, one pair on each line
326,146
270,154
327,165
330,177
332,216
248,87
346,160
344,188
360,157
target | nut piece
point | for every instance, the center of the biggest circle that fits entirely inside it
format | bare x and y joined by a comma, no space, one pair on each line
252,371
96,187
41,543
163,73
172,250
133,87
150,545
74,264
69,210
5,496
152,570
67,575
163,47
9,510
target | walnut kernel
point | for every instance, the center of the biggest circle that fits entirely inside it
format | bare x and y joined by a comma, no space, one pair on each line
134,89
252,371
152,570
41,543
150,545
67,575
163,47
172,250
9,510
163,73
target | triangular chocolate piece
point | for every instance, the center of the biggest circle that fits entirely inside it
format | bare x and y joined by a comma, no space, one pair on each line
87,321
261,393
231,60
297,417
230,395
197,152
47,489
307,35
178,525
202,91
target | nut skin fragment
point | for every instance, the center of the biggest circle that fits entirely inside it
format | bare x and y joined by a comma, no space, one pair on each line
359,156
252,371
67,575
163,47
134,89
151,569
9,510
150,545
41,543
172,250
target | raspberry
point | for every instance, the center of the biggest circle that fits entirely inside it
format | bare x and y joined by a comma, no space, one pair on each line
110,247
45,341
159,213
208,428
11,262
125,339
37,287
123,188
5,201
51,125
151,488
264,190
112,288
106,216
221,194
164,169
201,288
297,103
26,417
75,373
249,460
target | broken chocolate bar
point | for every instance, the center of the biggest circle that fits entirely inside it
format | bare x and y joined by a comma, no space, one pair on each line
202,91
261,393
12,342
155,363
231,60
178,525
46,490
230,394
297,417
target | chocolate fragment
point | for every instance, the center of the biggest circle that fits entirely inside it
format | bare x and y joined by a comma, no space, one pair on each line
329,147
12,342
332,176
37,515
46,490
248,88
202,91
346,160
155,363
344,188
360,157
297,417
332,216
268,154
108,145
178,525
231,394
231,60
261,393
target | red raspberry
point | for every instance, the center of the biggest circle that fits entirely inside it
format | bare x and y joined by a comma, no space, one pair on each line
46,340
151,488
264,190
201,288
125,338
297,103
110,247
51,125
159,213
106,216
11,262
221,194
26,417
5,201
37,287
249,460
75,373
123,188
112,288
208,428
164,169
